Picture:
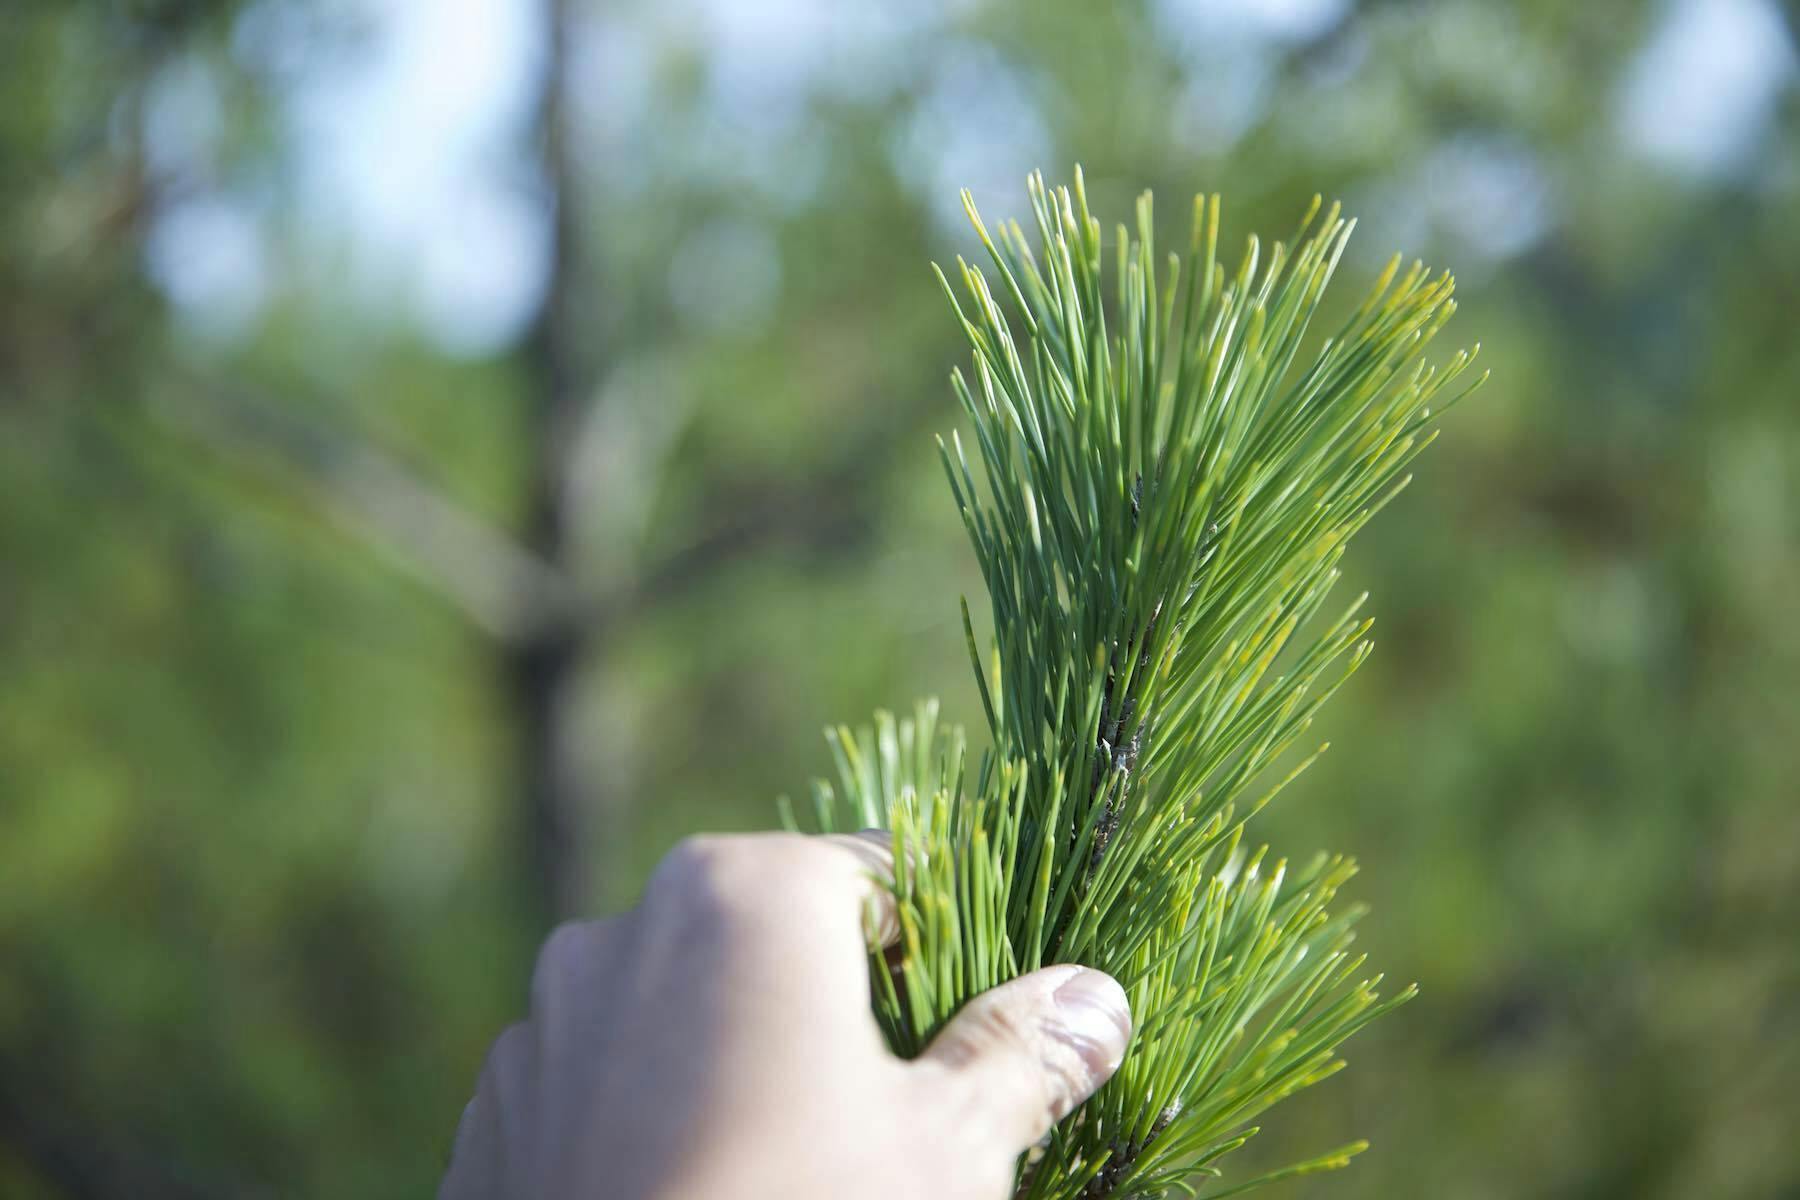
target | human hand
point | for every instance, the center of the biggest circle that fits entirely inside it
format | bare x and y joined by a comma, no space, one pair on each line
717,1041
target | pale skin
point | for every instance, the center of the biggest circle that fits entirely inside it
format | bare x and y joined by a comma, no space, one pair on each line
717,1042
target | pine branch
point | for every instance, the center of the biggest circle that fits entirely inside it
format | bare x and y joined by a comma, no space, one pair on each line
1161,511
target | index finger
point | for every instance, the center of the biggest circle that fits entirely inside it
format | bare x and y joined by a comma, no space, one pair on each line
873,850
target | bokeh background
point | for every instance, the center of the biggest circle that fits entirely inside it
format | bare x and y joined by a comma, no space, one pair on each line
449,449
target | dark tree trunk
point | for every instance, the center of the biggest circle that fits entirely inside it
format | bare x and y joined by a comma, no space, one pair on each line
553,798
543,667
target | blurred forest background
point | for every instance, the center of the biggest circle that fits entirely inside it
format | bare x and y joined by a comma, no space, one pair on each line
449,450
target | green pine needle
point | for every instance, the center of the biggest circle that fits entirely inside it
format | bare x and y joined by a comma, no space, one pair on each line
1159,513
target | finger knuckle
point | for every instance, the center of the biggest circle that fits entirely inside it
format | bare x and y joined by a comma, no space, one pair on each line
997,1026
737,876
694,864
557,958
513,1043
705,881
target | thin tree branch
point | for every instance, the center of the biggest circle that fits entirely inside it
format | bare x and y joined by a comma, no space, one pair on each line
502,588
498,585
826,511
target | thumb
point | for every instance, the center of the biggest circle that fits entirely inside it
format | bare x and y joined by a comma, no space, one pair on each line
1020,1057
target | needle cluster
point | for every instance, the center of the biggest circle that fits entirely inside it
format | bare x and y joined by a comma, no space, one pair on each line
1164,471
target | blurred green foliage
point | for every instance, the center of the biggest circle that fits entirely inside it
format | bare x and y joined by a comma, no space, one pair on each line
260,894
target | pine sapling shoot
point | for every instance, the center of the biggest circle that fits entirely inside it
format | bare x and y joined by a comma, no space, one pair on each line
1163,472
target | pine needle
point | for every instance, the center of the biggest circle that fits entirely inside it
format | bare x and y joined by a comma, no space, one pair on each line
1169,473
